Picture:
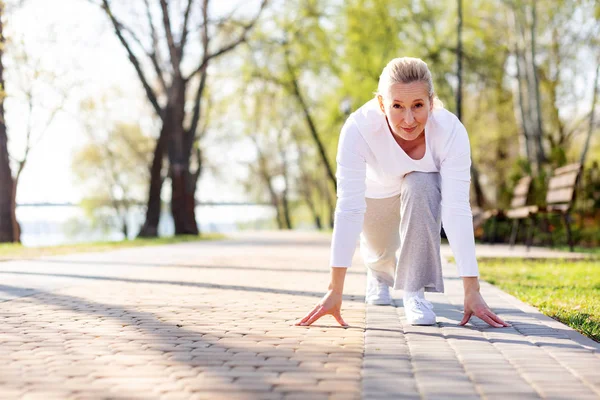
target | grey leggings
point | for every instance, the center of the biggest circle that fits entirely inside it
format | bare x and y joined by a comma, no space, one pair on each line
409,222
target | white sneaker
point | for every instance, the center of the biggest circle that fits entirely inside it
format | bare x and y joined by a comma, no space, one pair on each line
419,311
378,293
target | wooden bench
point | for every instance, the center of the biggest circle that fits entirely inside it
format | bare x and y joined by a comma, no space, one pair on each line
559,200
519,199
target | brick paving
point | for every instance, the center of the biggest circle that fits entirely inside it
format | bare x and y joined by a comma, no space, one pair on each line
214,320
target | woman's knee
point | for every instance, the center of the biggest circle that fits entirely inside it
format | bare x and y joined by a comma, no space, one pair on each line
422,186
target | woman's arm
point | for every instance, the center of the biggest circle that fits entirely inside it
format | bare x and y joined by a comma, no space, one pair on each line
349,215
458,223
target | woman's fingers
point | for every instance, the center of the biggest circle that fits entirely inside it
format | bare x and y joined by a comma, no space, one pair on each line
314,317
486,318
498,319
466,318
310,314
492,319
338,317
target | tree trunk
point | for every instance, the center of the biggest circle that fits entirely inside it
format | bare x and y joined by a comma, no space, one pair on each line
312,127
284,172
153,209
591,124
305,184
537,110
479,196
286,210
311,206
15,224
183,200
7,210
526,149
275,200
124,226
330,202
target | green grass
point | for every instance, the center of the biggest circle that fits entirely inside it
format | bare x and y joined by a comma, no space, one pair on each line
568,291
13,251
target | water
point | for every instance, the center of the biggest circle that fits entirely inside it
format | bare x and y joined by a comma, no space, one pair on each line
66,224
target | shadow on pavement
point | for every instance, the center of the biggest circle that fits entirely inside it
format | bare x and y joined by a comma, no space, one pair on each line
209,373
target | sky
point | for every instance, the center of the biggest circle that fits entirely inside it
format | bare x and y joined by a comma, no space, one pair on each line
73,38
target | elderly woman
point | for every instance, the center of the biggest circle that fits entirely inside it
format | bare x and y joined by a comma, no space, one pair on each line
403,170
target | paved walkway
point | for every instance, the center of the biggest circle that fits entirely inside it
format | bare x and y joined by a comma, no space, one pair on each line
214,320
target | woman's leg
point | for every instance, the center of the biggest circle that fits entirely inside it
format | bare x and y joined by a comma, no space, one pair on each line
380,239
419,265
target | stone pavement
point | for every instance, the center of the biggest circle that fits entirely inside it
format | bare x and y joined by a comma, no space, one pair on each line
214,320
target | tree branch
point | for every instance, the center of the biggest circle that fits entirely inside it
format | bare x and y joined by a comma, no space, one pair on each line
147,88
241,39
154,54
184,31
173,50
204,73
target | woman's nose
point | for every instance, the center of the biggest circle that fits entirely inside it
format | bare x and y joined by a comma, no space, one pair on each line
408,117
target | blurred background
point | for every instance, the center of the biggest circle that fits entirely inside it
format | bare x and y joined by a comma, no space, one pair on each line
154,117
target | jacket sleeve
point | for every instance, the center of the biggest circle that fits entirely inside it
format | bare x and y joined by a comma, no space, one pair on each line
457,218
351,188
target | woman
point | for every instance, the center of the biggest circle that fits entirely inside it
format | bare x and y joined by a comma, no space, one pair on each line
403,169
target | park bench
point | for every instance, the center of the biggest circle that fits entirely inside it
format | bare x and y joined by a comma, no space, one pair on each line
519,199
560,197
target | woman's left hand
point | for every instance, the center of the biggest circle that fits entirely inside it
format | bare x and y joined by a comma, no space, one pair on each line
475,305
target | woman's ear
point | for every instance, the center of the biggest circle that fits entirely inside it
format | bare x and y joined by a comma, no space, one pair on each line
380,101
431,102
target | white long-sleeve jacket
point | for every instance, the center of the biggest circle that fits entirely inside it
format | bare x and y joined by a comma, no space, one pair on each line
371,164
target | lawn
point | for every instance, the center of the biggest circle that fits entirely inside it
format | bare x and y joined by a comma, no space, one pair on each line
568,291
12,251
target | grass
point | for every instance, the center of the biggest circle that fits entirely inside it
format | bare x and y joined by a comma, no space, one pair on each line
568,291
595,251
14,251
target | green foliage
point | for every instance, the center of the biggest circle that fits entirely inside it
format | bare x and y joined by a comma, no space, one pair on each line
568,291
113,172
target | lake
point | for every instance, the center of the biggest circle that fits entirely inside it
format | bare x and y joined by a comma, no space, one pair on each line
49,225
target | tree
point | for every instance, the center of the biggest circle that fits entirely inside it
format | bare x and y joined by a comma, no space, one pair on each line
481,201
293,54
7,220
176,75
112,171
592,115
270,172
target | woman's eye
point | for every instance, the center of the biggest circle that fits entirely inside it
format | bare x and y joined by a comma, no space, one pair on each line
419,105
397,106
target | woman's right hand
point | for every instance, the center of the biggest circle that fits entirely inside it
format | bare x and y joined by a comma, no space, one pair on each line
330,304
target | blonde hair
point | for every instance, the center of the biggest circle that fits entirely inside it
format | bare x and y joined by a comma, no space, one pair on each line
406,70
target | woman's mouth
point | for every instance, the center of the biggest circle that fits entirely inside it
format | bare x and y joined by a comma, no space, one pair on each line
408,130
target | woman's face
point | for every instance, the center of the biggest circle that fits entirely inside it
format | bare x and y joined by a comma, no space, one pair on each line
407,109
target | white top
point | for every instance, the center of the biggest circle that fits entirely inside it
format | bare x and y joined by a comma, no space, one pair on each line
371,164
